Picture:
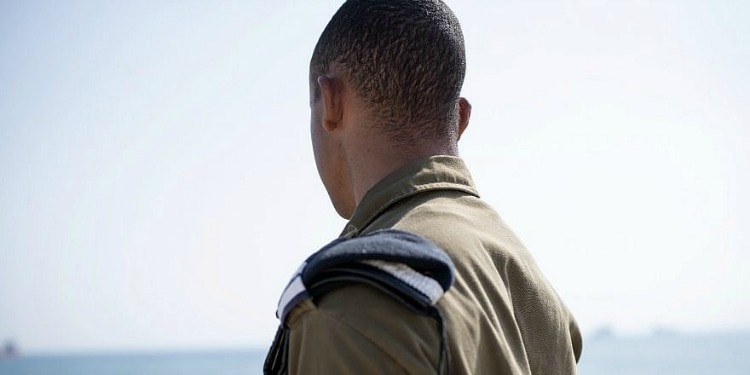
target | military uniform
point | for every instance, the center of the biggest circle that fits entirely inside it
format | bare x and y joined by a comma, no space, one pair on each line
501,316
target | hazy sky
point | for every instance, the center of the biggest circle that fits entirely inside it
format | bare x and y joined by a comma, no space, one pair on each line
157,186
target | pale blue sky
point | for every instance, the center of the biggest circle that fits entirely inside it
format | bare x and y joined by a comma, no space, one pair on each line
157,186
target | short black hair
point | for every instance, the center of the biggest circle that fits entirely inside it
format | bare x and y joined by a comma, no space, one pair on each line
405,58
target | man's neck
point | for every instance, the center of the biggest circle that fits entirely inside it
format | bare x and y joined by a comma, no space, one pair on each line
372,161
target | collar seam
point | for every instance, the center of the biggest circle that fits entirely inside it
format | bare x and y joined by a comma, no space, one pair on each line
433,186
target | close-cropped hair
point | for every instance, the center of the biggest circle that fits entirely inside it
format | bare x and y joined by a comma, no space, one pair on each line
405,58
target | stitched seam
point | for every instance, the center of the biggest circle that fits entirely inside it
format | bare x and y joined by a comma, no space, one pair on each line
435,186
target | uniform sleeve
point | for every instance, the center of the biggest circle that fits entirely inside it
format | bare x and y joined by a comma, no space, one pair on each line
361,330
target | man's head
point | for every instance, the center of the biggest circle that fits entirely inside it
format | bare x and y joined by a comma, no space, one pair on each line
404,58
385,79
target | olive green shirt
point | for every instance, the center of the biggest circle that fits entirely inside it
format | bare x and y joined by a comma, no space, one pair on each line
501,315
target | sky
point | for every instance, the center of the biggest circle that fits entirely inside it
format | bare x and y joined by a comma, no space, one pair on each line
157,185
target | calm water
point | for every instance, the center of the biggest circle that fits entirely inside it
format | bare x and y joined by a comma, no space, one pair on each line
186,363
726,354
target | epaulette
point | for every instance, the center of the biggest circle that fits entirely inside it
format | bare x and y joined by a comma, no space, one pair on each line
407,267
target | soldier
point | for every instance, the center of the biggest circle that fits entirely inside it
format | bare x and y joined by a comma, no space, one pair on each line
386,117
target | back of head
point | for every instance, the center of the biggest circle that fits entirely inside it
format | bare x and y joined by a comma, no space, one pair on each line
404,58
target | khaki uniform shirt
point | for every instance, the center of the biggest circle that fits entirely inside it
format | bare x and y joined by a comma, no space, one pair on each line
501,315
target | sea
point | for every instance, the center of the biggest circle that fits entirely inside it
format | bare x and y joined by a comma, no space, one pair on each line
659,353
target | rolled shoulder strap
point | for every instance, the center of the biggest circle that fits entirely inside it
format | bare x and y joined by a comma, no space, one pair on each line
407,267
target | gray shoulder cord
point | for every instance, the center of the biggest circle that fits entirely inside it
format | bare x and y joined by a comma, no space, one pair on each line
405,266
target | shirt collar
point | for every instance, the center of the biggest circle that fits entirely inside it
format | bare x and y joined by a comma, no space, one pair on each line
433,173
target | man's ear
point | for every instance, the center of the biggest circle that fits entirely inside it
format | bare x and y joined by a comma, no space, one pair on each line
331,94
464,113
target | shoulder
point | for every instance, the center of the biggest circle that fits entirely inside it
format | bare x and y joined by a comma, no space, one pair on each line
366,304
367,324
369,311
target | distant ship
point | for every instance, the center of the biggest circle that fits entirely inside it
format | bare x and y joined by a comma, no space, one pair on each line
9,350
